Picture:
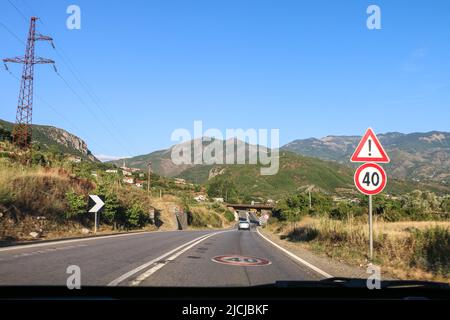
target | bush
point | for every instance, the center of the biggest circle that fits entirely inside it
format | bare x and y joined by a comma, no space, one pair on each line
5,135
111,212
6,198
221,187
229,215
76,204
302,234
341,211
136,216
201,217
445,204
432,250
38,159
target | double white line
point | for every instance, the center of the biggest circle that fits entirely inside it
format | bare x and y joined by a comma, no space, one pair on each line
159,262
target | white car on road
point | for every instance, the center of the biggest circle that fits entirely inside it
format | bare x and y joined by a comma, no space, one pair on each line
244,224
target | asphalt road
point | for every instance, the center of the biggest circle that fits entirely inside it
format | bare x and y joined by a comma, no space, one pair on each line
178,258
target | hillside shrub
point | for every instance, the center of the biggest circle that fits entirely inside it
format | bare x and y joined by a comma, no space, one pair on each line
76,205
201,218
432,250
229,215
136,216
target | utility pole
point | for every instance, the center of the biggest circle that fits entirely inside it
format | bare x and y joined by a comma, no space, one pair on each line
149,166
22,135
309,191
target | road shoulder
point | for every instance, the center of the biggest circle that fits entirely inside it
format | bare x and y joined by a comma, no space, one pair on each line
330,266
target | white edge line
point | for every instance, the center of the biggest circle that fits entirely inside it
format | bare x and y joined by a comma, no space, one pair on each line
295,257
151,271
130,273
62,241
56,242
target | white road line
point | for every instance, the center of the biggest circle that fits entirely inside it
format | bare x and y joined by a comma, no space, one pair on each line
295,257
127,275
159,265
57,242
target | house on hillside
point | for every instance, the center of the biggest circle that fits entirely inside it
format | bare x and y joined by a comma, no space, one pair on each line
200,198
180,181
126,172
129,180
139,183
74,159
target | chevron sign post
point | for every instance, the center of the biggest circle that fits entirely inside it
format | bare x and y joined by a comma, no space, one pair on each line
96,204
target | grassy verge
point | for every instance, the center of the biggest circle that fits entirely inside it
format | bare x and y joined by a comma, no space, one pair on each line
209,216
407,250
49,203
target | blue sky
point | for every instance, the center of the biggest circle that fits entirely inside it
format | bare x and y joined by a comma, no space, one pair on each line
308,68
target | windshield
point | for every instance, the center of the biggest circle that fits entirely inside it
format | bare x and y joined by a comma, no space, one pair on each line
170,143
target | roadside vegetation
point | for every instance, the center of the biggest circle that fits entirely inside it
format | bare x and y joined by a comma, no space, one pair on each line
45,195
411,232
207,215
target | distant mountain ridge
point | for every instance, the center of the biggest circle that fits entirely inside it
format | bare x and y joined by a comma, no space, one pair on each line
296,171
162,159
62,140
416,156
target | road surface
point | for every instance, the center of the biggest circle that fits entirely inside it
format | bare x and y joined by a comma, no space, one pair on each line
178,258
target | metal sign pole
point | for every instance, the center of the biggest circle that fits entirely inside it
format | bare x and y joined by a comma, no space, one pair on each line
370,228
95,225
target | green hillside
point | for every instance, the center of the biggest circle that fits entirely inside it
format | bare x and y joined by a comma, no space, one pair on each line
52,138
414,156
296,173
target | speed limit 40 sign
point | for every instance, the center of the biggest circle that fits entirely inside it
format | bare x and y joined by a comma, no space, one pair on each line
370,178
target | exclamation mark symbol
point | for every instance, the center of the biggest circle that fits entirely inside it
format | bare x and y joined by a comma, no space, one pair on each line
370,147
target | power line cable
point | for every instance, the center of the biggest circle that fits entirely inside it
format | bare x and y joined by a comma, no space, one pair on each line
69,122
90,93
12,33
85,86
39,97
90,110
18,10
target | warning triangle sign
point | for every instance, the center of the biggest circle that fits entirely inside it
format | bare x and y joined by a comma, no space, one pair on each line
370,149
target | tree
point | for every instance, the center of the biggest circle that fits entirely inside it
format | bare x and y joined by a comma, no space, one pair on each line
342,211
135,216
292,208
445,204
111,210
221,187
5,135
420,204
77,205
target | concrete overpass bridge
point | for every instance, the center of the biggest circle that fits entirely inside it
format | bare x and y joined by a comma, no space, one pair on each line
259,208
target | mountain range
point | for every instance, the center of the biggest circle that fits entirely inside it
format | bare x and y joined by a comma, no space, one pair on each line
416,156
418,160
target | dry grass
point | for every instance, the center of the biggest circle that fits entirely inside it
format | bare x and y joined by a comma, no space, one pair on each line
38,191
407,250
202,217
33,199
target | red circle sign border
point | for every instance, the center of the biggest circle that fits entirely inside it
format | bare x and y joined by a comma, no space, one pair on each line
262,263
361,188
